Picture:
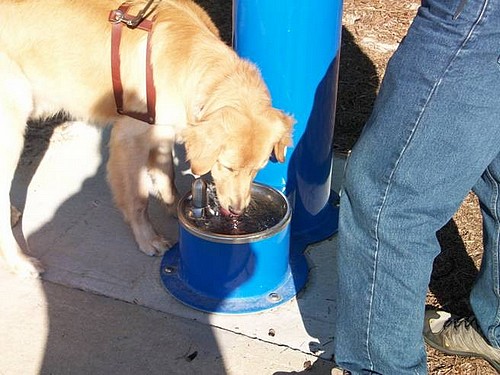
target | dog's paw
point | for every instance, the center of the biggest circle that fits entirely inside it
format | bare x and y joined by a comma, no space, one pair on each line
156,246
26,267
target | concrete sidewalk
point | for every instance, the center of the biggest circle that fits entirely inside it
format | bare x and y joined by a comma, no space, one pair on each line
52,329
100,308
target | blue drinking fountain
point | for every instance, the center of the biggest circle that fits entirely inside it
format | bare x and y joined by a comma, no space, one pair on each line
296,45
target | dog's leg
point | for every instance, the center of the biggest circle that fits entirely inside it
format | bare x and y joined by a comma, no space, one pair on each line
161,169
15,107
130,183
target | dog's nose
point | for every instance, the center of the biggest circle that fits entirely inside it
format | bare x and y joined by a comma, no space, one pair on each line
229,212
235,211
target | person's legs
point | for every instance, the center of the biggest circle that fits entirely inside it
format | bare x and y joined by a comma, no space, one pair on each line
434,129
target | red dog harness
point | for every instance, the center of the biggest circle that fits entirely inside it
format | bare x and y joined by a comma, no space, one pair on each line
118,17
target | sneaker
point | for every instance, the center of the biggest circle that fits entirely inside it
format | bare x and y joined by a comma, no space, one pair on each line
461,337
339,371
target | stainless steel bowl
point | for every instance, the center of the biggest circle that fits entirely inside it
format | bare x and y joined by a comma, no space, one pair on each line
267,214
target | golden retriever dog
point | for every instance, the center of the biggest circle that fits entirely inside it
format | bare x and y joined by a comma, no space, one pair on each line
55,56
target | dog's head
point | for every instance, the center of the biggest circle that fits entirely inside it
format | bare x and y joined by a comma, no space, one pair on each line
234,146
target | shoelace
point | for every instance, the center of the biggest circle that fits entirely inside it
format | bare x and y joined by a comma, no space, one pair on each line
467,322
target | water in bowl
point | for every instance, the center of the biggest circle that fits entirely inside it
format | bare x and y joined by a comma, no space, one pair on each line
266,209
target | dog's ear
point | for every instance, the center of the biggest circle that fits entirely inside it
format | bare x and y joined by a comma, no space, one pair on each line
205,139
203,143
284,122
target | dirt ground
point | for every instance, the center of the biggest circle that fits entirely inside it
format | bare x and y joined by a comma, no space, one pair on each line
372,30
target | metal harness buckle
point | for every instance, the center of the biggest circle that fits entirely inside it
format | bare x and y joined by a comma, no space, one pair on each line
120,16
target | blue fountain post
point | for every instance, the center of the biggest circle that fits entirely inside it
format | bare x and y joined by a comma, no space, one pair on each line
296,44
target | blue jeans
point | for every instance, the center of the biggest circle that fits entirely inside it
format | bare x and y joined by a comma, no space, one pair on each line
434,135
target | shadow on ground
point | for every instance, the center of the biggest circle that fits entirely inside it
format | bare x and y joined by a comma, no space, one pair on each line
454,272
91,334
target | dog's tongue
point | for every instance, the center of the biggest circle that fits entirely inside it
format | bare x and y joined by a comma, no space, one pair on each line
225,212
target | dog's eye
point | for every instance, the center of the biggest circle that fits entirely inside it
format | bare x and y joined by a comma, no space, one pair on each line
227,168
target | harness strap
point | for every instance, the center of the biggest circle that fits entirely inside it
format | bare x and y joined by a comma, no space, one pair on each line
118,17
